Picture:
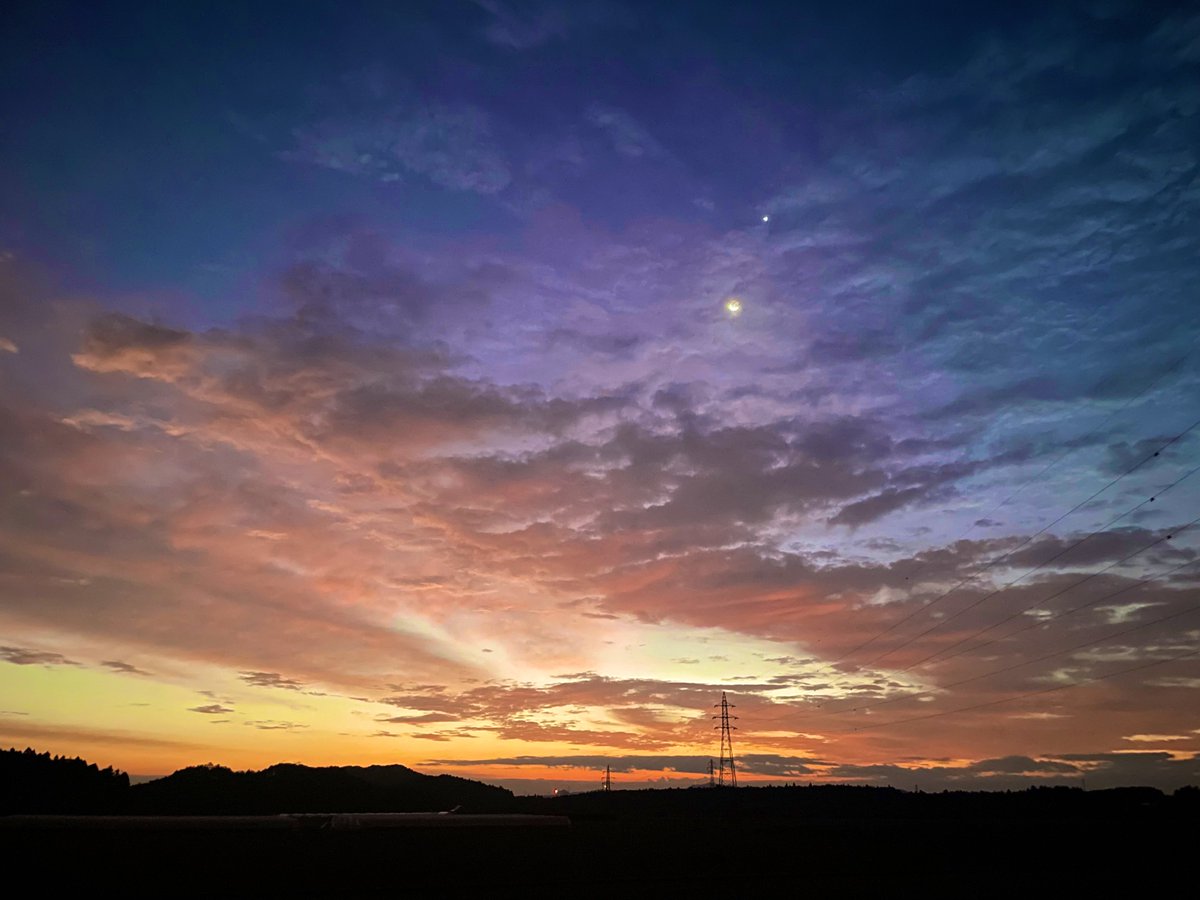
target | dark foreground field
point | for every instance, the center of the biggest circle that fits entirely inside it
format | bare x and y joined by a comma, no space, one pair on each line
665,845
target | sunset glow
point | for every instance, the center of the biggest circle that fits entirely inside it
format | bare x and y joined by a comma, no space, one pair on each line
434,390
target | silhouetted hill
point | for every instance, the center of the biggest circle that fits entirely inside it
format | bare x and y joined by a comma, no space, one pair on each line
34,782
292,788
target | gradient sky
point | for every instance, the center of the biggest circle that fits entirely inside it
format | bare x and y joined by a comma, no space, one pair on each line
367,392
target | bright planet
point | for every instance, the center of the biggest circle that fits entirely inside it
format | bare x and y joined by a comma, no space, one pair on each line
733,306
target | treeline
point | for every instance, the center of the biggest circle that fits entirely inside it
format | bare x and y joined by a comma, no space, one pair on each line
841,801
40,783
32,782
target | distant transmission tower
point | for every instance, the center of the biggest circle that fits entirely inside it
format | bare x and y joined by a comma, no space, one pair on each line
607,782
712,778
727,764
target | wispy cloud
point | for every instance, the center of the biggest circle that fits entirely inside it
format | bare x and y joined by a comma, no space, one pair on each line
628,137
26,656
212,709
451,146
270,679
125,668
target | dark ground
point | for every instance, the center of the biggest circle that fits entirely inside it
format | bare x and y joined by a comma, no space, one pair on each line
659,843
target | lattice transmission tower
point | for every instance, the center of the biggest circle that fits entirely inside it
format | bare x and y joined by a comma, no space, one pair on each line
606,782
727,771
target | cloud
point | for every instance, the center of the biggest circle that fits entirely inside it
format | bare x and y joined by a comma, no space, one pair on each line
525,28
861,512
695,765
627,136
25,656
646,506
1069,173
212,709
320,389
451,146
609,344
1160,769
999,773
270,679
529,25
422,719
367,283
1089,549
119,343
124,667
776,766
1155,738
72,736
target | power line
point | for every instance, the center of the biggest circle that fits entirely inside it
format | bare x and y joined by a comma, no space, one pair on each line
1057,593
1037,623
1080,442
1028,662
1024,543
946,655
1034,624
1191,654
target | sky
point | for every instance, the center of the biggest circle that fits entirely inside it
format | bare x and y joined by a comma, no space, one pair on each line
371,389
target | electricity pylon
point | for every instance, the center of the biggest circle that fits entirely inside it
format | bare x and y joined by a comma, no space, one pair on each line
727,773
